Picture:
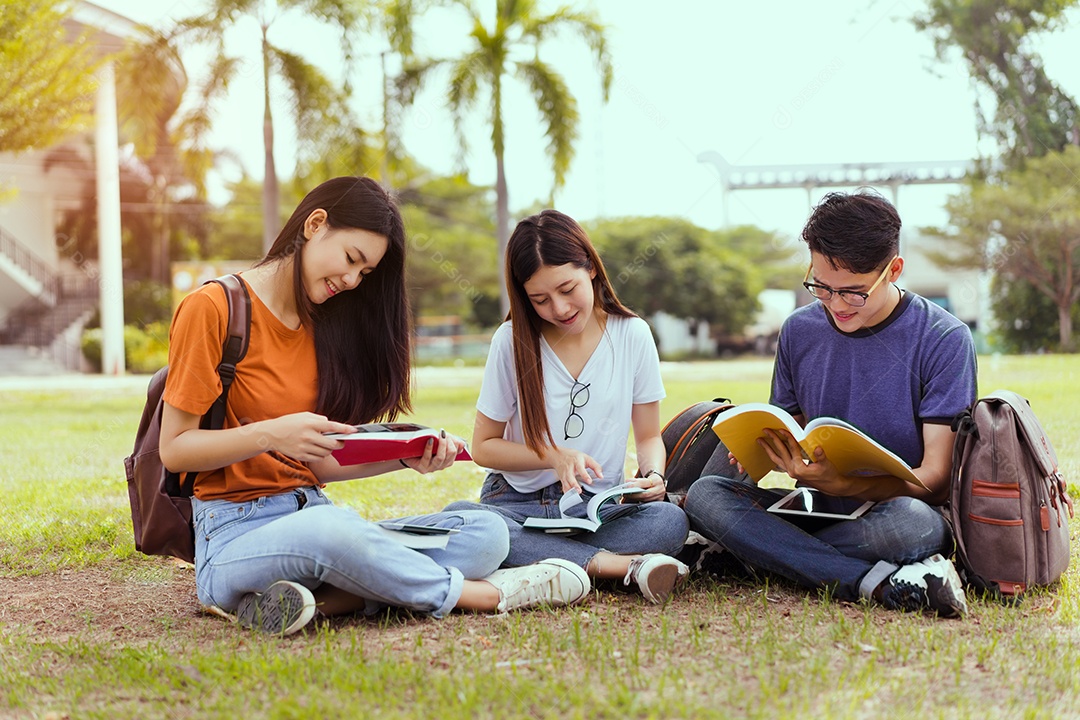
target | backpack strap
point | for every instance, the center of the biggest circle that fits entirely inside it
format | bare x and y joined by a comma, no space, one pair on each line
236,342
232,352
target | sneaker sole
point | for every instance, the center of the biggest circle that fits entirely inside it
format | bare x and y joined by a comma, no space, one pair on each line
270,611
949,600
661,583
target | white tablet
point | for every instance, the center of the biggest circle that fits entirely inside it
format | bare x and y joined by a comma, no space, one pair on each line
809,503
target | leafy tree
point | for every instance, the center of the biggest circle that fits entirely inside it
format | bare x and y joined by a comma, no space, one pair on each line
1027,319
452,268
236,227
1031,217
518,32
318,106
451,263
1031,114
46,78
671,265
1019,105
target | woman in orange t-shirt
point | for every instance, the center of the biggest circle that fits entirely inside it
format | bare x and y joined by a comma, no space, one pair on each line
329,348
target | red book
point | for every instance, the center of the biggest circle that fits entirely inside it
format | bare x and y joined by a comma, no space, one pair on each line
378,442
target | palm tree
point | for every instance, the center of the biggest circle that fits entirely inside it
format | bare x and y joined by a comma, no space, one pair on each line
169,146
518,32
316,101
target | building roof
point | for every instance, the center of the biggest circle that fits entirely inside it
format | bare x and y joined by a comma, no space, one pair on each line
110,30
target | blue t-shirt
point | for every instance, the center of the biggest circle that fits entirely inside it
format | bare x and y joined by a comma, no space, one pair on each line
917,366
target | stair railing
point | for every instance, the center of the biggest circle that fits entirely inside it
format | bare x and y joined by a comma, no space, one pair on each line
25,259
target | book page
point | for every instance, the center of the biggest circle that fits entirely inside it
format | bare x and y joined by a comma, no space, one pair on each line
593,508
853,453
740,428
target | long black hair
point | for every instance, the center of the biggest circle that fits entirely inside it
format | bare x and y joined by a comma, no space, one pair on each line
362,336
547,238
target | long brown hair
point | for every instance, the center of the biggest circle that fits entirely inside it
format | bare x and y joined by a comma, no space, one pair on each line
547,238
362,336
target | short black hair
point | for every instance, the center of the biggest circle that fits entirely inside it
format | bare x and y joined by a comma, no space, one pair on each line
858,232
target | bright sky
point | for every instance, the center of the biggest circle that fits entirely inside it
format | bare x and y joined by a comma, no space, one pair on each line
761,83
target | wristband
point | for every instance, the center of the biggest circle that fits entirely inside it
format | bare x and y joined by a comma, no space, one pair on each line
659,474
403,463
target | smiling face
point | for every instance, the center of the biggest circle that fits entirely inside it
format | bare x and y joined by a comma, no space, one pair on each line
881,301
562,295
337,259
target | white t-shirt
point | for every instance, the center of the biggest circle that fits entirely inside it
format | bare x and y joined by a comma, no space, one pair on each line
624,370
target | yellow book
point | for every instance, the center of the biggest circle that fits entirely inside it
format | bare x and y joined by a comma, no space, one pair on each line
849,449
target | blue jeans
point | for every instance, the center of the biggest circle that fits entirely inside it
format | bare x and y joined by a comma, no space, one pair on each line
301,536
655,527
840,557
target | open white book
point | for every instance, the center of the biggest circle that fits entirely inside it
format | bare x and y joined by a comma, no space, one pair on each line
571,524
850,450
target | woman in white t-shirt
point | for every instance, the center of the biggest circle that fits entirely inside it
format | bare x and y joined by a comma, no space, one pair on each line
568,376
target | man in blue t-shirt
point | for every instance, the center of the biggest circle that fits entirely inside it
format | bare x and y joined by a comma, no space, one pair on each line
894,365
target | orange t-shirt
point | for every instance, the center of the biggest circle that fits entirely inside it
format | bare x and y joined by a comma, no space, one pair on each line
278,376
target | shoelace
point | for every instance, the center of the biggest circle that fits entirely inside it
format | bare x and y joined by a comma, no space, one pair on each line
529,592
632,571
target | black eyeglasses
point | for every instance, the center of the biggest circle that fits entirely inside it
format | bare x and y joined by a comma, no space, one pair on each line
854,298
575,425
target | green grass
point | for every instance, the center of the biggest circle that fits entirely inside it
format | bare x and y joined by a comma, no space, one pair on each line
719,649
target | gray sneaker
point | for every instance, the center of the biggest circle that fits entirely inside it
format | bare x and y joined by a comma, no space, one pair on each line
656,575
282,609
552,582
930,584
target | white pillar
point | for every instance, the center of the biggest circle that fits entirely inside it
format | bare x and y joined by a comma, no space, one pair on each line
110,259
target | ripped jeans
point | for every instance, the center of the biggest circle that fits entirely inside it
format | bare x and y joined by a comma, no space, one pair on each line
654,527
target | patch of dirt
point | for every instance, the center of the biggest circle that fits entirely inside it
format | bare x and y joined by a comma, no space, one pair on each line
122,604
111,602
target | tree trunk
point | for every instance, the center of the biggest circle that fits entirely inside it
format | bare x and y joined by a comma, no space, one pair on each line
502,228
1065,329
502,195
161,270
270,182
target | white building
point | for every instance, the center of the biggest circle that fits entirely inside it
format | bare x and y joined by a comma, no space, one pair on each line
44,295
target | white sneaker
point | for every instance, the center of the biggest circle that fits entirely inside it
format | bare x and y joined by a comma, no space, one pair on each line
281,609
553,582
656,575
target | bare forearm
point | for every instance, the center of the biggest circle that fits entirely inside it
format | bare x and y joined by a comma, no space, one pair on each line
501,454
651,455
197,450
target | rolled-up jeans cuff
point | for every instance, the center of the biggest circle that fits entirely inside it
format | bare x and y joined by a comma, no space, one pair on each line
457,584
877,575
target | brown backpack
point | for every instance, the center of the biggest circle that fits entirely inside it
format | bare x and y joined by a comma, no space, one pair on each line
160,502
1008,506
692,447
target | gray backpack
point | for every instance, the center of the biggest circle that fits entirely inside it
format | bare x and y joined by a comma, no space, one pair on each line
1008,506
